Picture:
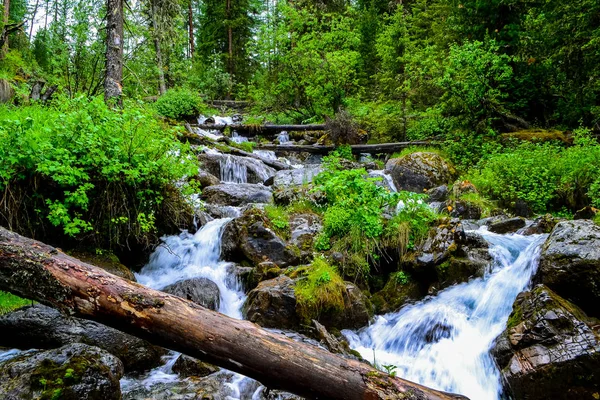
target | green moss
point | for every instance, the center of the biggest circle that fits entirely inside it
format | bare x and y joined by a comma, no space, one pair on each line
538,135
280,220
9,302
321,289
486,206
52,379
420,149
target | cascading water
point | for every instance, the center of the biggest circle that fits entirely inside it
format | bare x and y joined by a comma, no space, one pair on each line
237,138
283,137
233,171
266,154
444,341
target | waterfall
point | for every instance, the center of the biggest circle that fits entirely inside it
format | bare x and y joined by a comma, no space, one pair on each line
283,137
232,170
444,341
266,154
237,138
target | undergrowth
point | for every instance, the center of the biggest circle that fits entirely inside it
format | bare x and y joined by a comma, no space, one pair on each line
9,302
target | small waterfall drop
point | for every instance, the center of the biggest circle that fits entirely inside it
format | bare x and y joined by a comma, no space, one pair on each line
266,154
233,171
444,341
236,138
283,137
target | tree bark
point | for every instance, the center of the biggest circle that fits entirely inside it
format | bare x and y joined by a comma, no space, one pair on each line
6,12
162,87
113,88
264,128
37,271
33,15
191,29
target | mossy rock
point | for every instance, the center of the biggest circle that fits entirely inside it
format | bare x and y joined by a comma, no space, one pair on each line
394,295
420,171
540,135
105,260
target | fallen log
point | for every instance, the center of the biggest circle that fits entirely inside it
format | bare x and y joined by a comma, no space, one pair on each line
356,149
262,129
40,272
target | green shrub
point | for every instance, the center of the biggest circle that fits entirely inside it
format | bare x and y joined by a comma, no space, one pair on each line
320,290
83,171
179,104
10,302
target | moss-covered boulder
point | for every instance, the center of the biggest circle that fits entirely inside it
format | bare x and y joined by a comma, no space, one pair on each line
397,293
550,349
420,171
570,264
43,327
72,372
105,260
252,238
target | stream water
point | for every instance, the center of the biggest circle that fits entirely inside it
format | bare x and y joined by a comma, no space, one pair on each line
444,341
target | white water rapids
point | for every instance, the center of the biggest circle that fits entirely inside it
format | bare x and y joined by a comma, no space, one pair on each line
444,341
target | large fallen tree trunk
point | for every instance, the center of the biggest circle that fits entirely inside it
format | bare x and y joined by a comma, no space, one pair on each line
262,129
356,149
37,271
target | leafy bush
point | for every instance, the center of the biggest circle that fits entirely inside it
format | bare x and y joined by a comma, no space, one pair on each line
320,290
179,104
109,178
545,176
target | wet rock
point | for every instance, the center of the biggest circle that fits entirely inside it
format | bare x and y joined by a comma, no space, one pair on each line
465,209
201,291
242,277
273,304
207,179
439,193
357,310
304,228
396,294
508,225
107,261
328,340
250,238
266,270
419,171
43,327
549,349
187,366
570,264
237,194
74,371
542,224
294,184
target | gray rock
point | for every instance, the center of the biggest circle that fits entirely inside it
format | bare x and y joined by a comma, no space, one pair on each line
304,228
207,179
74,371
201,291
295,177
238,194
542,224
570,264
419,171
272,304
187,366
43,327
507,225
549,349
439,194
249,238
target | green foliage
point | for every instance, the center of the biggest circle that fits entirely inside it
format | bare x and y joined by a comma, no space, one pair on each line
86,169
179,104
10,302
400,277
320,290
279,218
545,176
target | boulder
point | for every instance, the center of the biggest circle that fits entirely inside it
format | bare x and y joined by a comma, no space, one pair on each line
201,291
465,209
570,264
420,171
506,225
396,294
549,349
542,224
304,228
438,194
206,179
272,304
237,194
251,238
187,366
74,371
295,177
43,327
107,261
586,213
6,91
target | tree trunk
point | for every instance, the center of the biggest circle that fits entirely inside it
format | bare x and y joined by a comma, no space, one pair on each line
34,270
162,87
191,29
6,9
257,129
356,149
35,9
113,89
